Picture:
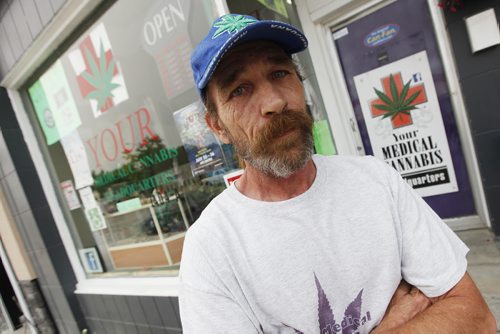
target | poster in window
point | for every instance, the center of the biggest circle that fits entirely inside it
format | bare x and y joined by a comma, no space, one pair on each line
77,159
405,125
54,104
70,195
60,99
201,145
165,36
43,113
92,210
97,71
90,260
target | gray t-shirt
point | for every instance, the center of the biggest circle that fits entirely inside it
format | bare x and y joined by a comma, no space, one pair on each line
326,261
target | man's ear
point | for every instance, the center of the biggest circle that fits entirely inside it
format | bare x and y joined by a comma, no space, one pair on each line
214,123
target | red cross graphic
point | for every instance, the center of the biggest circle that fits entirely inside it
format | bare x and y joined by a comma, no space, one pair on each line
85,86
401,119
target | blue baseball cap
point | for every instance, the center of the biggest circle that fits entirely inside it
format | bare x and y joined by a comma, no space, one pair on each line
233,29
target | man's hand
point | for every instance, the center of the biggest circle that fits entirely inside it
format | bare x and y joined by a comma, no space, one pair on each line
405,304
460,310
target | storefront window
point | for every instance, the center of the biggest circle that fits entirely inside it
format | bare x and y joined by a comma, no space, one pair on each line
124,130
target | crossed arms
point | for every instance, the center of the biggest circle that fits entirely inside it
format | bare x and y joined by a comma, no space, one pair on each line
460,310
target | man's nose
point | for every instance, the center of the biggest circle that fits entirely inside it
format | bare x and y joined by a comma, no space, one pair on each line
273,101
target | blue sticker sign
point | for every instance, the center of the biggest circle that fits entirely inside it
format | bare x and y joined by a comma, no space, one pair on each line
381,35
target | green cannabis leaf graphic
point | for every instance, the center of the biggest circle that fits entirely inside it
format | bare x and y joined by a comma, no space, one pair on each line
231,24
399,103
101,77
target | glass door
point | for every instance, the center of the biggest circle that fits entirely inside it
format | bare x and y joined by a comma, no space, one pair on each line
397,86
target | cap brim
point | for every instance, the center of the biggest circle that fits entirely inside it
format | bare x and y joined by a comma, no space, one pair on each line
286,36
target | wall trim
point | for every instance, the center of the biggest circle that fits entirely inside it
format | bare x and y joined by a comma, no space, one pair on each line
131,286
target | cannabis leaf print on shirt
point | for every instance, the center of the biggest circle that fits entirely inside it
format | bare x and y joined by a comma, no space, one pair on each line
351,321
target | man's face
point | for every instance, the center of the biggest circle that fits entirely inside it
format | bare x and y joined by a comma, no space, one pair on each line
261,108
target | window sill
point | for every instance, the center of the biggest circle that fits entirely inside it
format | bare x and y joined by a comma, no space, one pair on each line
131,286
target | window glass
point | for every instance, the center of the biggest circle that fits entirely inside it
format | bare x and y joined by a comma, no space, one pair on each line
124,129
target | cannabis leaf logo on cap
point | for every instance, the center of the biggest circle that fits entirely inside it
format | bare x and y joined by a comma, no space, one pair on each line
231,24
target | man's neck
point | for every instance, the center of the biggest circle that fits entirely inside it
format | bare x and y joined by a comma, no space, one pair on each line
262,187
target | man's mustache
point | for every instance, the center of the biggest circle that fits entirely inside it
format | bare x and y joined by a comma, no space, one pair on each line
285,121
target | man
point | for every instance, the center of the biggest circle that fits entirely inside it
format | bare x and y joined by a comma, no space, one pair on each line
303,243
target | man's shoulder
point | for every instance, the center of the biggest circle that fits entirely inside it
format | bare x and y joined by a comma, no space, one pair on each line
215,210
353,173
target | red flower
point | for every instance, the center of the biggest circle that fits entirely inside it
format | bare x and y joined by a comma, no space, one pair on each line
452,4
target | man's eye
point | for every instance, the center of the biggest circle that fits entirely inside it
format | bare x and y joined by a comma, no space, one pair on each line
237,92
280,74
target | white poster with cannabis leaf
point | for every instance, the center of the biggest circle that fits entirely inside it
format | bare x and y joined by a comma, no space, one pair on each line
98,73
405,125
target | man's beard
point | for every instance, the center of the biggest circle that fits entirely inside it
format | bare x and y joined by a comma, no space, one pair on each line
274,156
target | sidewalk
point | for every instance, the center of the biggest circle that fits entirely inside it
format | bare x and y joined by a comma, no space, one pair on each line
484,266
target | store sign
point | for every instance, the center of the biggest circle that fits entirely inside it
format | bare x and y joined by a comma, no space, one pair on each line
381,35
166,20
404,123
114,141
165,37
97,71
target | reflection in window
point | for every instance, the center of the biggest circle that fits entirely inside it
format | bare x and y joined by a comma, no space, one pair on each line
125,131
